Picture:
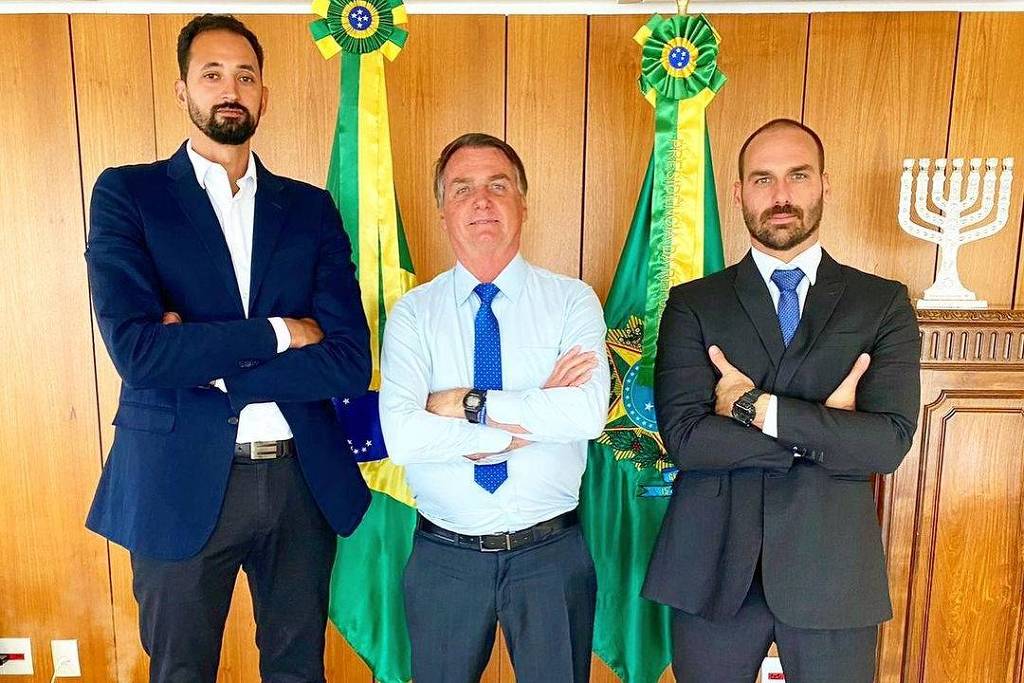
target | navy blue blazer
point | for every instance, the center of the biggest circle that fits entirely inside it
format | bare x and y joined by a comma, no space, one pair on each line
155,245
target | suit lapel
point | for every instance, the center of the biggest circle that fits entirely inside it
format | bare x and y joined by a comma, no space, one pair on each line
268,220
821,301
196,206
757,302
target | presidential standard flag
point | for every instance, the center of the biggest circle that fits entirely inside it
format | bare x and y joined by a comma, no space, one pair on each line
366,587
674,237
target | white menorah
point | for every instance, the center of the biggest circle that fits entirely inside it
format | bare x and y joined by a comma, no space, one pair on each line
951,223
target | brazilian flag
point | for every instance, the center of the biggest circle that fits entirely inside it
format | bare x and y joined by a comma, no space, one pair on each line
674,237
366,587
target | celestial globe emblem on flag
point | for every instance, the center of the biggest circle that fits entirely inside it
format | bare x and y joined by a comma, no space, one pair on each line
679,57
638,400
363,19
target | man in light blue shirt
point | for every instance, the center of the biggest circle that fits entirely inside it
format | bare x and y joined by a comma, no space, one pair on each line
493,380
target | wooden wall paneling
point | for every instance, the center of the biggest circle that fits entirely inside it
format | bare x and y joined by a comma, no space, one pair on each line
764,57
620,135
449,80
547,70
294,139
987,100
965,610
878,90
54,573
114,87
954,509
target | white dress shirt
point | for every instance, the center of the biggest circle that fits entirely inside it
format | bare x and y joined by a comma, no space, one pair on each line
429,346
257,421
807,261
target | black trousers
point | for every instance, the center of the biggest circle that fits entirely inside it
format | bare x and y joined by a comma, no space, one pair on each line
731,650
542,595
271,527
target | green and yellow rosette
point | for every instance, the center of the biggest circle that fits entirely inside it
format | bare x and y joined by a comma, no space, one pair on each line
679,77
360,176
359,27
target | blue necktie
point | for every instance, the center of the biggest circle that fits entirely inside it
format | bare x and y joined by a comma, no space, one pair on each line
789,303
487,374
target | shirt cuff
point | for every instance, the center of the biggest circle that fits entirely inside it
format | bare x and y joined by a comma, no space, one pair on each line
771,418
505,407
492,440
284,337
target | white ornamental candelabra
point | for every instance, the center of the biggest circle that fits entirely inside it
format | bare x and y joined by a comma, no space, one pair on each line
957,221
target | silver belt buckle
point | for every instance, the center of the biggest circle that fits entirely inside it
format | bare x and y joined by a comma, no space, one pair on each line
508,545
263,450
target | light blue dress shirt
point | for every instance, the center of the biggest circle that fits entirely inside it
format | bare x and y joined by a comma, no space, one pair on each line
428,347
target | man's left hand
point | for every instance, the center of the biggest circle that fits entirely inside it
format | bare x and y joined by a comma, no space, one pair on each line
731,385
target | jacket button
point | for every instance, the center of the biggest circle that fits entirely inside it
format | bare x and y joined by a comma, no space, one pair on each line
232,420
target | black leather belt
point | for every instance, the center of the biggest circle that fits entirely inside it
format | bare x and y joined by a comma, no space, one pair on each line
496,542
265,450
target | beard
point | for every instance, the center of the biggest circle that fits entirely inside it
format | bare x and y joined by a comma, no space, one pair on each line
226,131
798,230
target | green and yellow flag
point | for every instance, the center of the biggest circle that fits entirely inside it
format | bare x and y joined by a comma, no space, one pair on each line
674,237
366,585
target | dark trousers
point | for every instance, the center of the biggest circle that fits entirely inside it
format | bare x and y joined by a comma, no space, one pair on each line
271,527
543,596
731,650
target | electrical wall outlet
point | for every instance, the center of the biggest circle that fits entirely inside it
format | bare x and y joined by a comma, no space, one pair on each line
771,671
65,658
20,650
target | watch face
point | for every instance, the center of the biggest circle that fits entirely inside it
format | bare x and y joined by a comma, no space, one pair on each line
744,412
472,401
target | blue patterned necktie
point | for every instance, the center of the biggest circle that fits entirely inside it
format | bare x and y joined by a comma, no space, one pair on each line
487,374
789,303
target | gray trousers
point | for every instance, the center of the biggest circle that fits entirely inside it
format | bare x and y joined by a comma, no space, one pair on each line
731,650
542,595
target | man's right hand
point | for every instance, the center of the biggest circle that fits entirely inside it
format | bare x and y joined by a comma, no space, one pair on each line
513,445
304,331
573,369
845,395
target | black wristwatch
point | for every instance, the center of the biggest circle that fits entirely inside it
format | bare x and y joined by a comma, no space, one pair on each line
744,410
475,404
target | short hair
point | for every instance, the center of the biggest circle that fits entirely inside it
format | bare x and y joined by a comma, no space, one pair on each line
782,123
476,141
213,22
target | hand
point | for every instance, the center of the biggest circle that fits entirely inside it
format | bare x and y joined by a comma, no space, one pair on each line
845,395
304,331
171,318
516,443
731,385
447,403
573,369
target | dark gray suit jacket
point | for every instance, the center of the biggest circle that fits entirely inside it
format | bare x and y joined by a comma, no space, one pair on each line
742,496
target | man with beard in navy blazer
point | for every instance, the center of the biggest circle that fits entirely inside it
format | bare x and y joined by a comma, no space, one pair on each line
227,299
782,384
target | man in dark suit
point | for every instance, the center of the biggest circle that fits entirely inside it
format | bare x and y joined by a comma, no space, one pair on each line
781,385
227,300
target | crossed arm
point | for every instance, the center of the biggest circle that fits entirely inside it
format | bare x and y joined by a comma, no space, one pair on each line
147,353
431,427
865,425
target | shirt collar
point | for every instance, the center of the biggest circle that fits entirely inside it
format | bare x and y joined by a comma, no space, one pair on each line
808,261
510,281
204,167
